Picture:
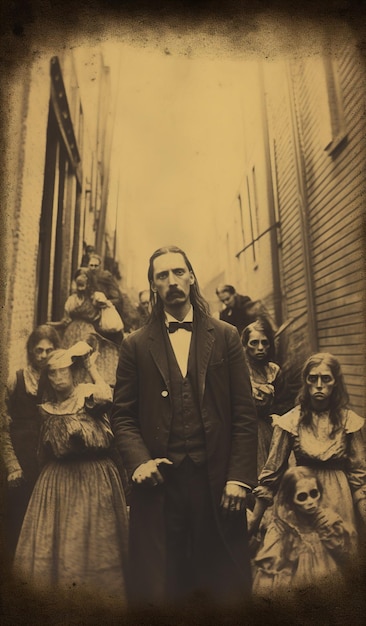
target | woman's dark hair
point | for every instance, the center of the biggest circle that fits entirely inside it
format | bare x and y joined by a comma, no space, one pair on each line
41,332
197,300
225,288
94,255
79,271
261,325
339,398
283,507
84,271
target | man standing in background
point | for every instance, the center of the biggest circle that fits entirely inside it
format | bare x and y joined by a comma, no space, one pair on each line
143,307
238,309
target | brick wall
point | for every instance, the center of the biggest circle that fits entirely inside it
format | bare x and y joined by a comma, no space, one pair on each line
28,123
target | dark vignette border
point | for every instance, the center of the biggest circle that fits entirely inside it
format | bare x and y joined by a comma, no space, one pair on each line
26,24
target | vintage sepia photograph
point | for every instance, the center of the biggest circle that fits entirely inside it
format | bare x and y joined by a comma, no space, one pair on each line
182,314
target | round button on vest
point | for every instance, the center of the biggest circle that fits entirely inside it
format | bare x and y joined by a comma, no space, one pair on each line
165,393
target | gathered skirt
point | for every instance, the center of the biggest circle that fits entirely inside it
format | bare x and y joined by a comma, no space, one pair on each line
75,531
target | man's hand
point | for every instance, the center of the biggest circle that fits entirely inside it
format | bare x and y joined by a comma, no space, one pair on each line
234,498
148,473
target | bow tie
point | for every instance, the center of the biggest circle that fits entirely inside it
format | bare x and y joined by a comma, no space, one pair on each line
173,326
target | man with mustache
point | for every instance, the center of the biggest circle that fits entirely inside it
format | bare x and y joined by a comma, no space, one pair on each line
185,424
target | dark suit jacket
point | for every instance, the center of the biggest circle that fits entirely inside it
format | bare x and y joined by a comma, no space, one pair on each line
238,315
141,418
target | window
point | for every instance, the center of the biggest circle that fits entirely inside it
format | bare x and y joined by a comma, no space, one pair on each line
333,126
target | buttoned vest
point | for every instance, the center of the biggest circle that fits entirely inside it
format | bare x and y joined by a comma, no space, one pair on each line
187,437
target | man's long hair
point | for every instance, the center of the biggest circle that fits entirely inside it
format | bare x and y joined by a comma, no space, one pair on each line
197,300
339,398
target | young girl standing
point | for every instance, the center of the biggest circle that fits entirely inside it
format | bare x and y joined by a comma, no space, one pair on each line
266,379
305,542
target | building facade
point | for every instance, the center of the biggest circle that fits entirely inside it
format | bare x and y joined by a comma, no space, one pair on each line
294,234
56,190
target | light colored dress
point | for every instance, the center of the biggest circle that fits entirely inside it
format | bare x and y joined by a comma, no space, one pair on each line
338,460
75,530
298,552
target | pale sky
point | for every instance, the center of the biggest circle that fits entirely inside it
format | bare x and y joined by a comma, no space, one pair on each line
177,150
178,142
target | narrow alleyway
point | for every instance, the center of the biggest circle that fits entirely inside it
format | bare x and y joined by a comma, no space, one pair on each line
252,165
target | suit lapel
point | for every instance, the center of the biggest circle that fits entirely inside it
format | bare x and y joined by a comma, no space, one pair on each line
204,340
158,351
204,344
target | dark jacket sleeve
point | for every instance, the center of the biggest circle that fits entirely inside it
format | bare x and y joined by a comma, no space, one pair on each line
124,413
244,439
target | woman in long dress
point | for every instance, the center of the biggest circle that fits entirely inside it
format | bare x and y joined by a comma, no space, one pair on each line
266,379
20,424
324,434
75,530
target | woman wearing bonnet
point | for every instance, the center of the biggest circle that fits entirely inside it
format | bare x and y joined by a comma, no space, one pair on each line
75,529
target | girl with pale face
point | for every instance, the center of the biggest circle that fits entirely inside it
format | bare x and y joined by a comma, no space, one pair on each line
40,353
307,496
323,433
257,347
61,380
320,382
299,495
305,541
258,343
266,380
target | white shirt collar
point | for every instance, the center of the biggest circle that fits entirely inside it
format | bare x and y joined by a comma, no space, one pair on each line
170,318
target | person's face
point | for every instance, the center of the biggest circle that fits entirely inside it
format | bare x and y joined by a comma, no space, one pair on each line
61,379
81,283
258,346
40,353
320,382
228,299
307,496
145,300
94,264
172,279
